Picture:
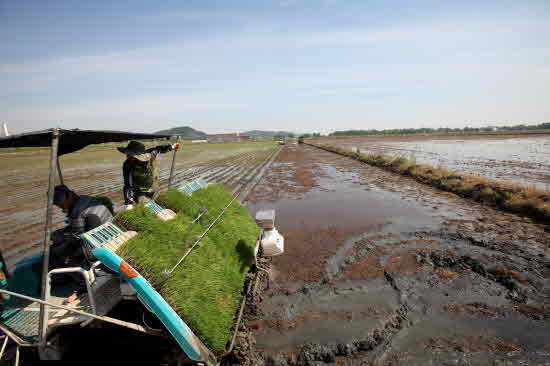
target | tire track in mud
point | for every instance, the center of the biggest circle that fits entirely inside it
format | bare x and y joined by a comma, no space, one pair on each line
382,270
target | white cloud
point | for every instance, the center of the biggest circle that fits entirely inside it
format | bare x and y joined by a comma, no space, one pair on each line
39,74
449,70
443,42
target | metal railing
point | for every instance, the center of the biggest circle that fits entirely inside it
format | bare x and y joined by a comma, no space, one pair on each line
89,278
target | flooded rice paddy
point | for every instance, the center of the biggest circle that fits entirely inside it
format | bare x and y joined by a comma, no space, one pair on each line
522,160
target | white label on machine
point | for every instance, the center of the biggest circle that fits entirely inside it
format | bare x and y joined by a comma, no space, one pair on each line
273,243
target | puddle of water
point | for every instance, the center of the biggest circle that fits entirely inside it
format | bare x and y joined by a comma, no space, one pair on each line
313,250
340,201
319,225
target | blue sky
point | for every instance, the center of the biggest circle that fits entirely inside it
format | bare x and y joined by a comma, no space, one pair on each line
298,65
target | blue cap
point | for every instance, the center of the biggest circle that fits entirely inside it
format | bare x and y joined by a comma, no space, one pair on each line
60,193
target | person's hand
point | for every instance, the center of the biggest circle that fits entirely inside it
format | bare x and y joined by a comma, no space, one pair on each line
72,298
176,146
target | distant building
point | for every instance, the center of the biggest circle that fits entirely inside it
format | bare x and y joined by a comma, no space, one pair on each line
261,138
198,141
227,137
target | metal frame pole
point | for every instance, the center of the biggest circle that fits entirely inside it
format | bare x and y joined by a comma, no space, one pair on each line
173,165
6,338
107,319
47,231
59,171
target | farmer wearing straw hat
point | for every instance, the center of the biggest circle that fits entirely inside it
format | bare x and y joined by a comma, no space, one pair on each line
140,171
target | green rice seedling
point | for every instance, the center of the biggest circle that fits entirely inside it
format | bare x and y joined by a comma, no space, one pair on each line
205,289
178,202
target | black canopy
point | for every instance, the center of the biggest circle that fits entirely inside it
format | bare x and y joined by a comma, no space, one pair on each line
73,140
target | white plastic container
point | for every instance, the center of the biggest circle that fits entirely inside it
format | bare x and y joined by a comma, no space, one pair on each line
266,219
273,243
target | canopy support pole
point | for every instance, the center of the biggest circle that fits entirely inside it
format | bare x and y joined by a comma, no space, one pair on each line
59,171
172,167
47,232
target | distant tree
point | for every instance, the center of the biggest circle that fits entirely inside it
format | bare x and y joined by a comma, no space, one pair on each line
400,131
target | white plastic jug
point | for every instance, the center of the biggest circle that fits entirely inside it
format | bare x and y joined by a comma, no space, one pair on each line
273,243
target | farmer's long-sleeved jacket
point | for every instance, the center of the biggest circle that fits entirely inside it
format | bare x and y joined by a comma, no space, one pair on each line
86,214
142,177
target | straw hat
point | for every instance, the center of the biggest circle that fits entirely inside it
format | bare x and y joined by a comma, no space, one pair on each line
137,150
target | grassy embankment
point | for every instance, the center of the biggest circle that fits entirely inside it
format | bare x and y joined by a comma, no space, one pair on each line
521,200
205,290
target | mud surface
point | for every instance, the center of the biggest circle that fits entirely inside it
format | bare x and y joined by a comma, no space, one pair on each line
517,159
381,270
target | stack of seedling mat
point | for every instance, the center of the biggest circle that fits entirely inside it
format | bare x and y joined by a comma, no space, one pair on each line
205,289
190,187
162,213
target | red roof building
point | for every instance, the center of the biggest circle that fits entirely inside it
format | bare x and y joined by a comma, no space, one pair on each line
227,137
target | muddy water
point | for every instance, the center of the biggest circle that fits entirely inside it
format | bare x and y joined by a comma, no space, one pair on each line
341,201
521,160
378,268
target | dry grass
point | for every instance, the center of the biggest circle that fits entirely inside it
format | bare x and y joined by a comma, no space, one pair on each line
527,201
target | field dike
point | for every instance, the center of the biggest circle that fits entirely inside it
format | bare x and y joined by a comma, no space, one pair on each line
517,199
205,289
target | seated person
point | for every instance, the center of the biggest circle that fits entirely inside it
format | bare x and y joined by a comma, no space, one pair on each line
84,213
